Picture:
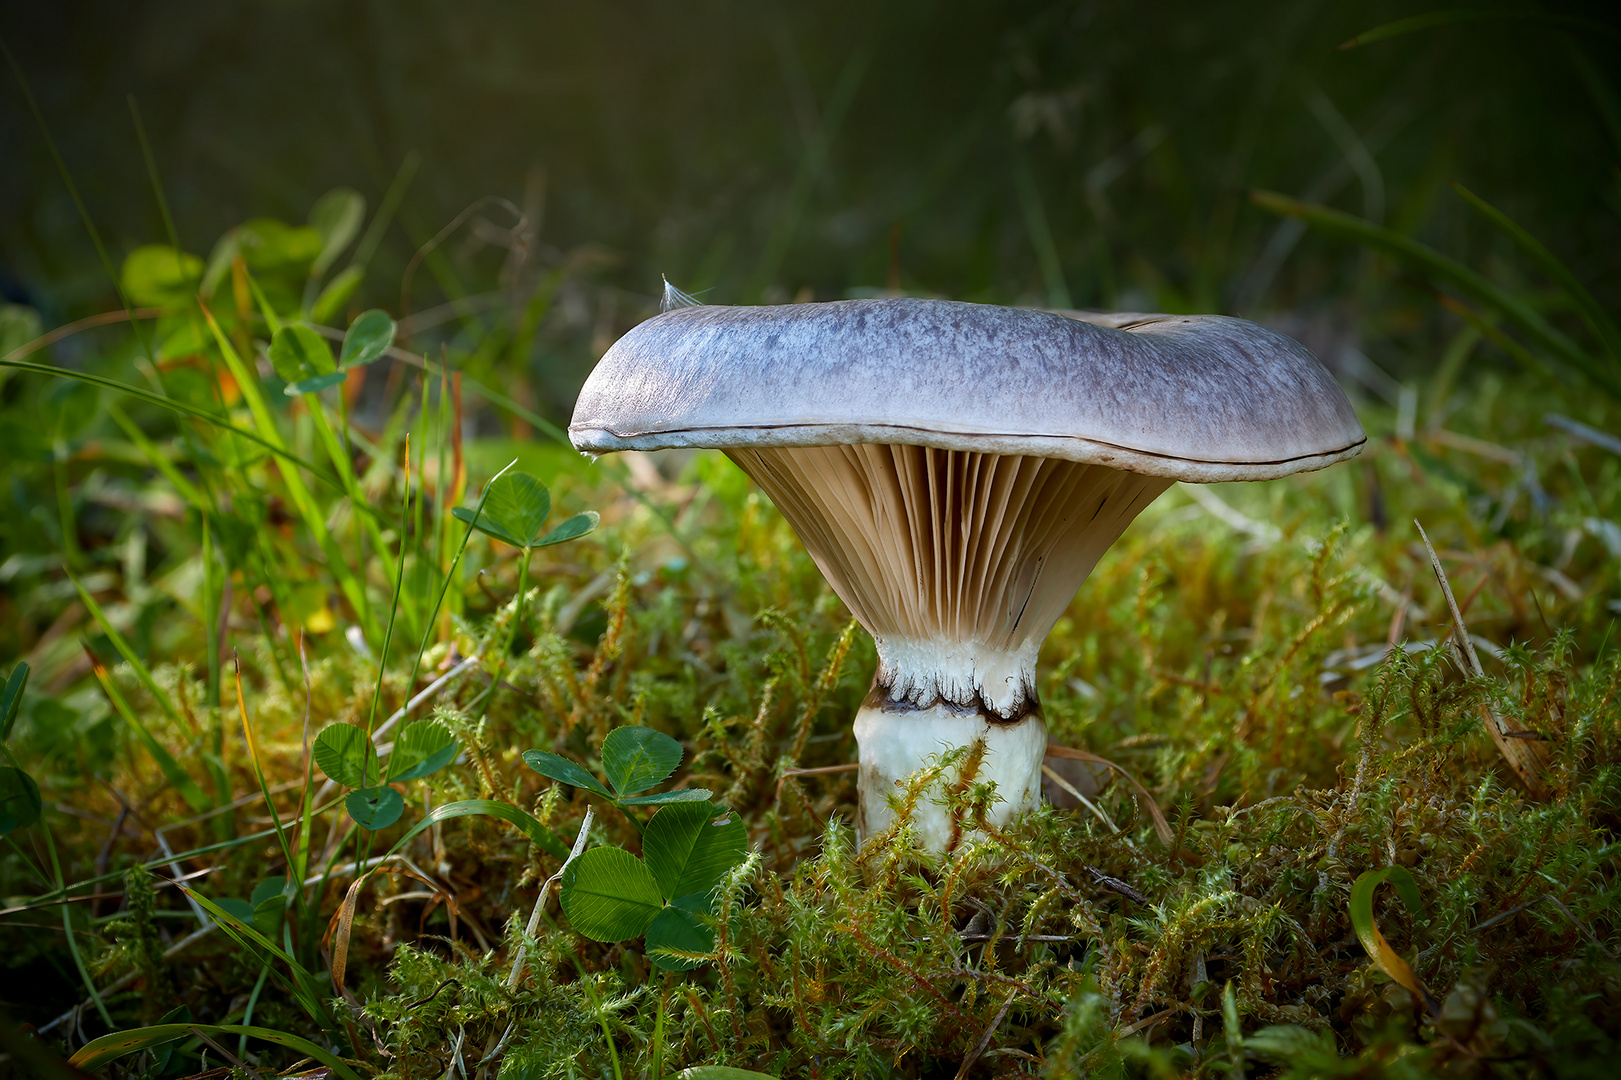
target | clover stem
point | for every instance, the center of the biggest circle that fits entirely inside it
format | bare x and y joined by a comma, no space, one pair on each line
634,822
450,574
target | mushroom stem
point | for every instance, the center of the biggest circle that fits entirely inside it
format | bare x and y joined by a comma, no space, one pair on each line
897,740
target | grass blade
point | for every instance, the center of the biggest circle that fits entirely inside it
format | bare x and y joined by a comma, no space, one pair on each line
259,774
276,448
314,520
1162,828
1431,19
450,571
1597,319
171,769
1462,277
98,1052
542,837
303,986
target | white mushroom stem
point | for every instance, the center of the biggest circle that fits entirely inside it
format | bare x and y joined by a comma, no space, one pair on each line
895,745
958,563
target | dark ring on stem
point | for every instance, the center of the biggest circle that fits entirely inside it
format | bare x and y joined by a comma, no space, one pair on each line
880,698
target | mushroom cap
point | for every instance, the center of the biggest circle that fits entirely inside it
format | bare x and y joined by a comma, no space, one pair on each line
1201,398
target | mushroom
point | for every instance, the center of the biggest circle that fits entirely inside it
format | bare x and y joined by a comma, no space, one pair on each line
956,470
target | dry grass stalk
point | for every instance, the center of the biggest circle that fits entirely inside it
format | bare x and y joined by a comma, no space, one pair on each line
1527,757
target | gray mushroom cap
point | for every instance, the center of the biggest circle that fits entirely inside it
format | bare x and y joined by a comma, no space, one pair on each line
1201,398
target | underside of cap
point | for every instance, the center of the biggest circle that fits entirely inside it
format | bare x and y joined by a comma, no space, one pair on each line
1197,398
957,563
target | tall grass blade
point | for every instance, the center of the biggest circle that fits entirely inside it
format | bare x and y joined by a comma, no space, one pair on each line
303,986
1441,266
259,774
450,574
275,447
124,650
314,520
1452,16
1597,319
386,210
152,175
109,1048
394,607
171,769
78,203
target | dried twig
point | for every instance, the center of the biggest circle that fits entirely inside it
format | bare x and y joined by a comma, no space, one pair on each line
821,770
990,1032
1055,777
540,901
1527,758
1114,884
1161,826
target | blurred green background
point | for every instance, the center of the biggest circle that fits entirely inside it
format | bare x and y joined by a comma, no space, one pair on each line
1093,154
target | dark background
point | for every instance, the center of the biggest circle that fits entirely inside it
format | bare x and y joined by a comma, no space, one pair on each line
1094,154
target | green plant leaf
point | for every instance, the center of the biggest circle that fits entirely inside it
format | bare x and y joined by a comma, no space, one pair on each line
302,985
11,699
572,529
330,304
272,886
564,771
337,217
263,913
180,1014
19,800
664,798
267,915
275,247
1313,1052
515,509
240,910
316,384
1232,1030
423,748
368,338
636,758
688,851
298,353
375,807
610,895
685,926
1367,930
721,1072
346,756
157,275
98,1052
